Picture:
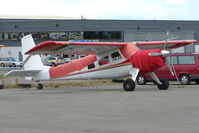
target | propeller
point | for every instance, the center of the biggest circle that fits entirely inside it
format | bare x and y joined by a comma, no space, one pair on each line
165,54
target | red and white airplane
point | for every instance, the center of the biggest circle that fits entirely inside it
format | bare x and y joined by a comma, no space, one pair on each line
104,60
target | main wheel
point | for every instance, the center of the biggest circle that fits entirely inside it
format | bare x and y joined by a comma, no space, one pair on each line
184,79
141,80
129,85
164,85
39,86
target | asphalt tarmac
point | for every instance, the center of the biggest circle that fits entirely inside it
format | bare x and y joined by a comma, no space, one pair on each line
100,109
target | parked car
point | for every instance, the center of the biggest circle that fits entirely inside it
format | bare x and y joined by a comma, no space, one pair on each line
66,60
186,67
44,62
11,62
54,61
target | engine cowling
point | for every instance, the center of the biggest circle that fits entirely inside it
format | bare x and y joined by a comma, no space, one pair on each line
146,63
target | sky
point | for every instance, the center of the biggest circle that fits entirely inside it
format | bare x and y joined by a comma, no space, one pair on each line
104,9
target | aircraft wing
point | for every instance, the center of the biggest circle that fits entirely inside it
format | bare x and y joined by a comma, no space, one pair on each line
160,44
80,48
75,48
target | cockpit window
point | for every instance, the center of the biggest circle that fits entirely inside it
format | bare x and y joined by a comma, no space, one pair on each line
104,61
116,56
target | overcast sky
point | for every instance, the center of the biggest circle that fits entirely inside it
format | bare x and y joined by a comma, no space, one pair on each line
104,9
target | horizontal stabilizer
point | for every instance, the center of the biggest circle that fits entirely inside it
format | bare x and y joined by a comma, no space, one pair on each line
21,73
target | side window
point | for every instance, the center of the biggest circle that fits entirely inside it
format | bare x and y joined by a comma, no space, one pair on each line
116,56
186,60
104,61
173,59
91,66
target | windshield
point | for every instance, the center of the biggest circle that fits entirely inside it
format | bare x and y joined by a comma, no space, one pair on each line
13,59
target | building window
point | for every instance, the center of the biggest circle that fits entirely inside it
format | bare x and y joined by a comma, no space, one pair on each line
102,35
75,36
58,36
1,36
9,52
179,27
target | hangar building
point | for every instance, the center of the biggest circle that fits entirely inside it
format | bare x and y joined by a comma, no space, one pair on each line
11,30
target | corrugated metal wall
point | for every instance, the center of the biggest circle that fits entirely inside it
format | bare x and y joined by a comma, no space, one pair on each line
133,30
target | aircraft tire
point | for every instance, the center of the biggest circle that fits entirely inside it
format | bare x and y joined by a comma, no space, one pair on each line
39,86
164,85
129,85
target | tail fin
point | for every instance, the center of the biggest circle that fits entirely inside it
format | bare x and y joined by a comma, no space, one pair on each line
30,62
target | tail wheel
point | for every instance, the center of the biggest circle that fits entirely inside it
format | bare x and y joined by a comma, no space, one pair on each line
39,86
164,85
141,80
184,79
129,85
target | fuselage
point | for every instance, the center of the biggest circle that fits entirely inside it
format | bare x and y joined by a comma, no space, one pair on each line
112,64
116,63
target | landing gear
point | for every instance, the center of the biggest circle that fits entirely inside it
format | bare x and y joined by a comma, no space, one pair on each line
39,85
129,85
164,85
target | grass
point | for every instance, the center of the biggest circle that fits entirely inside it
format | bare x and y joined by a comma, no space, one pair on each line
81,83
57,84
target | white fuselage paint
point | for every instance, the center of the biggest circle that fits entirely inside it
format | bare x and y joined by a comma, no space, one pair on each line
109,73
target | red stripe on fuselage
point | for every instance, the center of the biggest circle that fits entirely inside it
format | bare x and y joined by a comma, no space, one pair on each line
76,65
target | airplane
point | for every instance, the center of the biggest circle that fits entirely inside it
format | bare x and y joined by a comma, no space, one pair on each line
103,60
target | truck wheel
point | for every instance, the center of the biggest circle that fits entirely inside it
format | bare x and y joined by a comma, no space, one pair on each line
2,65
13,65
141,80
184,79
197,81
53,64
